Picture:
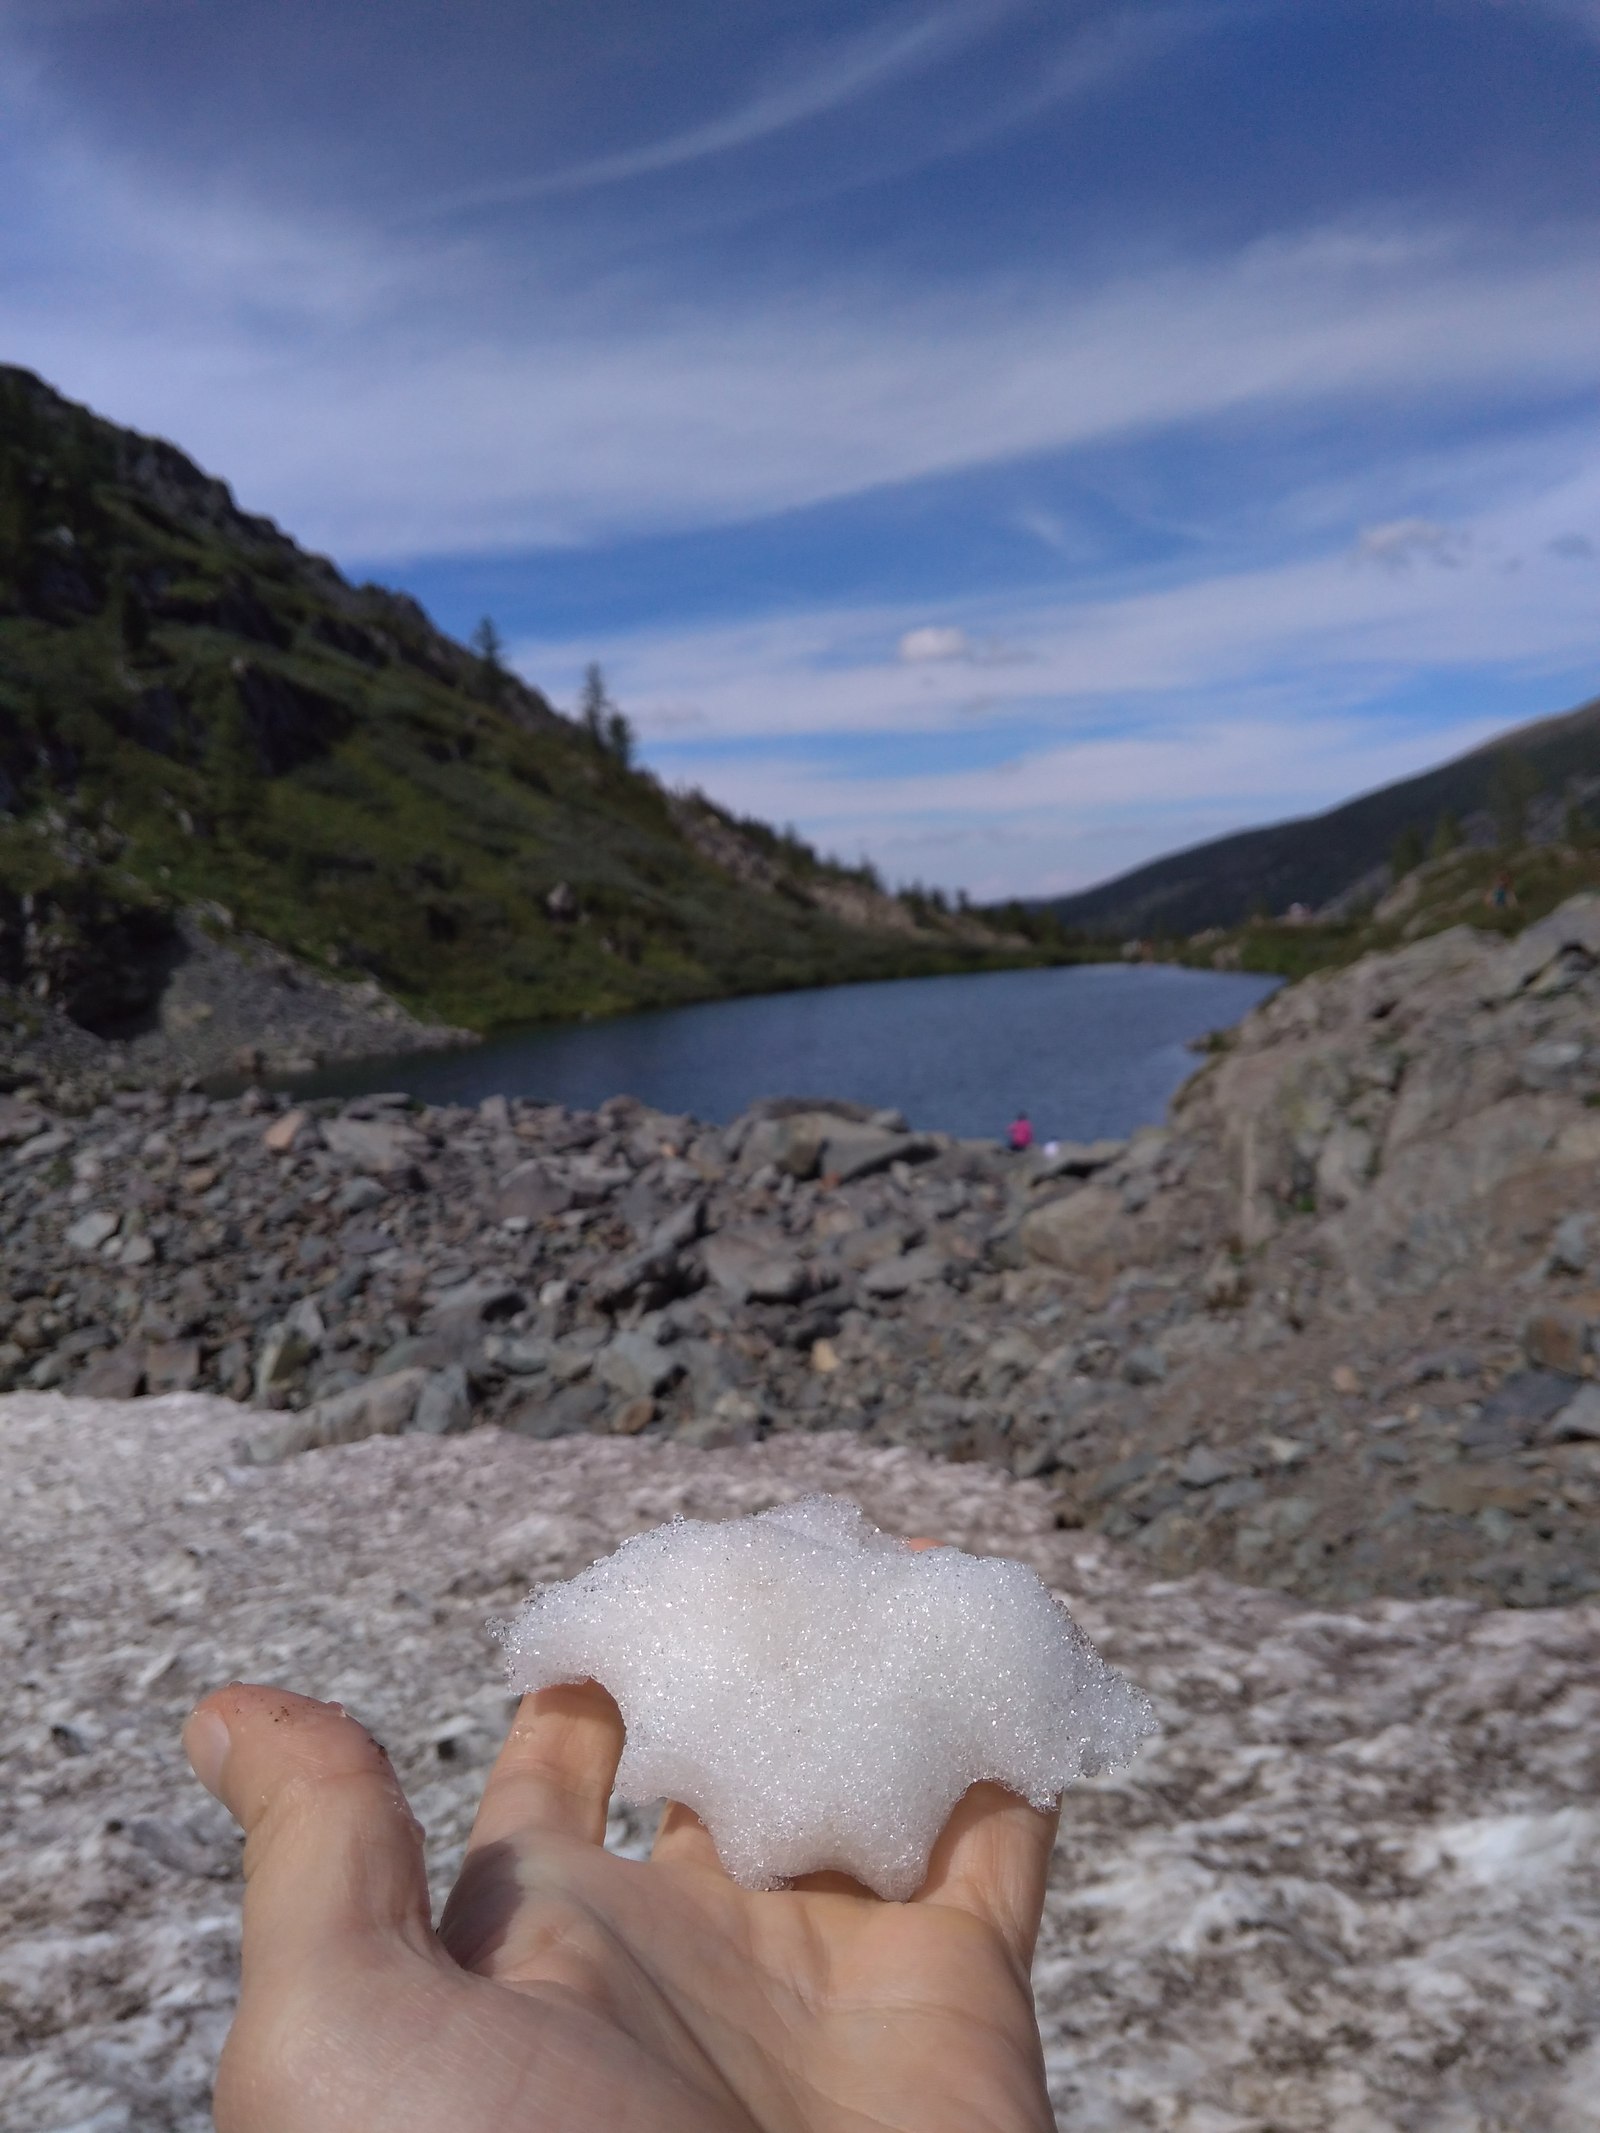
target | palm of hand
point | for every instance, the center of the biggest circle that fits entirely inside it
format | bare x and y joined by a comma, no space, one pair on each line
567,1988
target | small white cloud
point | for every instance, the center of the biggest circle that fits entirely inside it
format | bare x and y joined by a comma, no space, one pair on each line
1404,541
934,641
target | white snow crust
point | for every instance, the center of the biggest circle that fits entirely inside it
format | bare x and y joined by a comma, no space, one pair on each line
821,1694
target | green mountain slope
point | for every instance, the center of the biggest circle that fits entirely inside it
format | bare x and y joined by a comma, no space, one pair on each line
196,712
1318,858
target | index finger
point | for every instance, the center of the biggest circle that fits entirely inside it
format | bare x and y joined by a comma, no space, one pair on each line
554,1775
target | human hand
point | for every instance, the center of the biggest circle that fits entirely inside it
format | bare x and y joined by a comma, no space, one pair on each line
567,1989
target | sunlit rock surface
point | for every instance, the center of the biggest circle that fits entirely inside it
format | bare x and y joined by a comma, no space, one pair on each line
1354,1884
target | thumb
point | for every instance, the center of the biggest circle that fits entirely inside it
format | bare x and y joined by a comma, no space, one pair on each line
333,1854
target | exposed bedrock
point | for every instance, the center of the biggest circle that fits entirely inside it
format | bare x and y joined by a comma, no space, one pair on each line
101,994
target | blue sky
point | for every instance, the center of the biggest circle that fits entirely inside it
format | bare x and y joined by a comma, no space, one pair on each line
1010,438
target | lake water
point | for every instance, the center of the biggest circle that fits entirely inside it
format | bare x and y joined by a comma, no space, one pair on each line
1088,1051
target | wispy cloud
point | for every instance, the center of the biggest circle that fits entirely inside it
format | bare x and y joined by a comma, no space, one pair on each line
1400,543
477,385
381,426
1521,589
1583,15
850,69
1059,815
51,13
405,399
1137,722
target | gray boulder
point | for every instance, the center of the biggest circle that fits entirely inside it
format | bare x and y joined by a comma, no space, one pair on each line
841,1142
359,1196
1144,1365
893,1277
1572,1246
754,1267
418,1351
56,1141
385,1147
92,1230
1573,931
381,1407
851,1151
791,1145
531,1193
18,1121
522,1355
1204,1468
483,1300
1078,1159
657,1267
1071,1232
733,1418
444,1406
286,1354
1579,1421
1555,1339
565,1414
634,1364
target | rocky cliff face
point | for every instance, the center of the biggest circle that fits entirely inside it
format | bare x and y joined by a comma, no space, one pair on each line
1380,1197
187,996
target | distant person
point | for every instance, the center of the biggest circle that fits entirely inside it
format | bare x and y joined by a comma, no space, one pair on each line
1502,893
1019,1134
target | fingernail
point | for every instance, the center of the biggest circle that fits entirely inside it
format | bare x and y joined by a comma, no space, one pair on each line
206,1743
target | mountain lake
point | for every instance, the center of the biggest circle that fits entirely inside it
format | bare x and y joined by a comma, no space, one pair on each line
1095,1049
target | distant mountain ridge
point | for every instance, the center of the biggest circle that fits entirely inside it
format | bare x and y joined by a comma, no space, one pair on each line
198,715
1318,859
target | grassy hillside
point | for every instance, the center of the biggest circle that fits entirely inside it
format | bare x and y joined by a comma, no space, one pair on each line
1318,858
193,710
1465,886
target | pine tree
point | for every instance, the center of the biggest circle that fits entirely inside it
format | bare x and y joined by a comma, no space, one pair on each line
594,705
490,648
1406,852
1516,786
619,738
1446,836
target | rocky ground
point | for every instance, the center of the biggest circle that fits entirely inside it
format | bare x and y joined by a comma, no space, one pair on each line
207,1001
1353,1884
1328,1330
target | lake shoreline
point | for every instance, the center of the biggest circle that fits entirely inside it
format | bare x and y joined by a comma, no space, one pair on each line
1236,1349
959,1051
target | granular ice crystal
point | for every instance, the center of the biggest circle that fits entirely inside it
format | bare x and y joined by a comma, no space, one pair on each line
822,1695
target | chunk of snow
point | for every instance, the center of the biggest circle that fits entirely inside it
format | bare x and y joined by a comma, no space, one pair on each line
820,1693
